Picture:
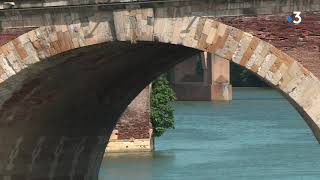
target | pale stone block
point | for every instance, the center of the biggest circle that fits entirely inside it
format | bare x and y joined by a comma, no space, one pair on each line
221,29
266,65
189,39
276,77
313,110
176,39
90,41
75,42
32,54
158,28
78,36
304,90
129,23
53,37
5,66
13,57
211,36
159,22
207,26
291,78
120,22
3,76
68,40
313,106
130,145
101,32
257,58
64,28
32,36
242,47
143,30
186,26
228,49
168,30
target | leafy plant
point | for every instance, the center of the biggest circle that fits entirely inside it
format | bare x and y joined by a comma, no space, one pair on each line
161,115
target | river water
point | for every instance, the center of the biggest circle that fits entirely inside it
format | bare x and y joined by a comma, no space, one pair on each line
259,135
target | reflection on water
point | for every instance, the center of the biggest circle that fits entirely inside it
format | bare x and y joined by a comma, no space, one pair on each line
257,136
134,166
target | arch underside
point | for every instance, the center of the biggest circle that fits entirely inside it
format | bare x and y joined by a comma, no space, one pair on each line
63,86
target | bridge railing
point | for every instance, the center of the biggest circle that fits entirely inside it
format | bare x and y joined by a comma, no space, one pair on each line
21,4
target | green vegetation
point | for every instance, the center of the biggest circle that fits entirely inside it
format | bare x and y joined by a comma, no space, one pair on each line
161,114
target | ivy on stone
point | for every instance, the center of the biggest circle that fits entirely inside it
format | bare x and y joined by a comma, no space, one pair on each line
161,115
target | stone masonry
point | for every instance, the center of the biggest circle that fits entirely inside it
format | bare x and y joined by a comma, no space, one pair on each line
133,131
80,59
302,42
213,83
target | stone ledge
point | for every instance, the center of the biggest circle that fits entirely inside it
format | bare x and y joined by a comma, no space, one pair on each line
130,145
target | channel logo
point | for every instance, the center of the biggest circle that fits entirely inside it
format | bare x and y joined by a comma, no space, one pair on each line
297,18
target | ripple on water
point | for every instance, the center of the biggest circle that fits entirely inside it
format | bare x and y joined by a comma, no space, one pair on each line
259,135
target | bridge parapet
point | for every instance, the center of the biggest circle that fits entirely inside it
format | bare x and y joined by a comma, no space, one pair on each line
221,7
34,13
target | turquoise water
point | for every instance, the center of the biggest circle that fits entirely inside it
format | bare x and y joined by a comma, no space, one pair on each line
259,135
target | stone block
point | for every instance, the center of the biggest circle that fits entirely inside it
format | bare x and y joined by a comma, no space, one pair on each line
6,66
220,69
266,65
248,53
291,78
176,35
228,48
222,92
305,91
242,48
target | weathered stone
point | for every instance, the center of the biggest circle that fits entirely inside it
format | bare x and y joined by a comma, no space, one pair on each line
291,78
255,54
266,65
134,130
176,38
242,48
5,66
306,91
230,46
190,32
70,28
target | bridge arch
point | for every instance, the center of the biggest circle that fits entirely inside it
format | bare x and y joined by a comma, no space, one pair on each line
32,58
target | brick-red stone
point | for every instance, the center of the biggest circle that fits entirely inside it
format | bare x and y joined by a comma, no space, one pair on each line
7,35
302,42
135,121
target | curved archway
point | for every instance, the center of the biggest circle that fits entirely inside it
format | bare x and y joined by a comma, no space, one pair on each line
35,66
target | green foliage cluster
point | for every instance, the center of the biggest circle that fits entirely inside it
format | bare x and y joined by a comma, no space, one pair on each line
162,111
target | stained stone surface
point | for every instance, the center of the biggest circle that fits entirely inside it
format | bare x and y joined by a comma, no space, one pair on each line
64,84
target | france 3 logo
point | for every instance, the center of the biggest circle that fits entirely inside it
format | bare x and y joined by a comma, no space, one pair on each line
295,18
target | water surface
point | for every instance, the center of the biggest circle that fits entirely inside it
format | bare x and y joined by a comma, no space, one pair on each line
258,135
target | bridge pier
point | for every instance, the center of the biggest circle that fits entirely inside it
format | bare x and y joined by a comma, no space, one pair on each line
211,84
220,73
133,132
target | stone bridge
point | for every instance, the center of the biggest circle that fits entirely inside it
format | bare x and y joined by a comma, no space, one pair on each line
68,69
